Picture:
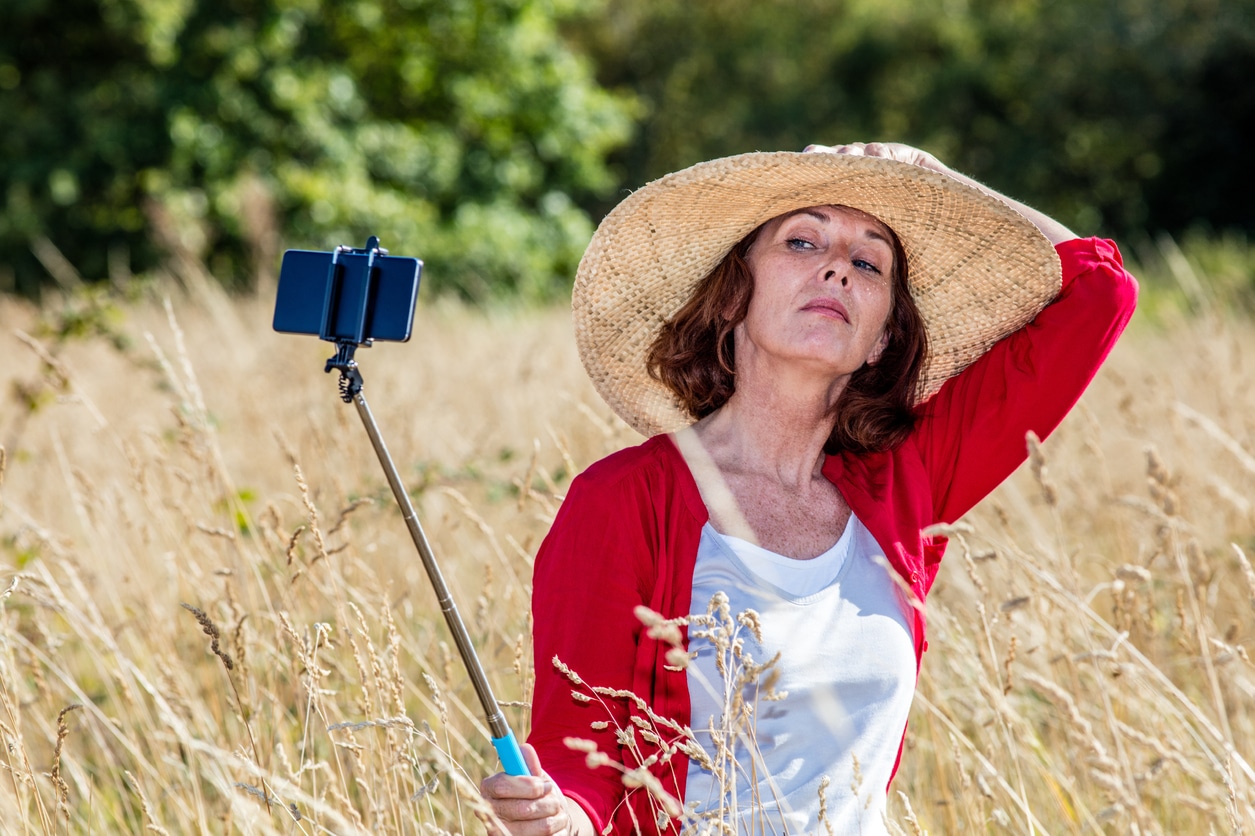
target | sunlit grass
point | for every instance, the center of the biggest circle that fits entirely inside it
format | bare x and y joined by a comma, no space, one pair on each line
1086,670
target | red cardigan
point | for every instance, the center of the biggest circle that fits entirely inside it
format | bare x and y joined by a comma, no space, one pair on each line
628,531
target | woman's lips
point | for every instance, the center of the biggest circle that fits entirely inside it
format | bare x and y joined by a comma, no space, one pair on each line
828,307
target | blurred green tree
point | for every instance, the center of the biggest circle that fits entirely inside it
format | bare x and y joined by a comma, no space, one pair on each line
462,131
1115,115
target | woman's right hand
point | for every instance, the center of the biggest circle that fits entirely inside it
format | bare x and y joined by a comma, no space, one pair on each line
528,805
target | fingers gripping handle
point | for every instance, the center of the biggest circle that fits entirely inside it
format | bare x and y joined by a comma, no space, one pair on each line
511,755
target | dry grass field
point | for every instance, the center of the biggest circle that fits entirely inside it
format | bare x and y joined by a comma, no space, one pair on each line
1086,672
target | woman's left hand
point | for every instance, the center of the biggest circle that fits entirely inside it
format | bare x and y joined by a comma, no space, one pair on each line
889,150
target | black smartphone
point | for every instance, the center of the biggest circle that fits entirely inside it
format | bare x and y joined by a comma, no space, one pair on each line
354,295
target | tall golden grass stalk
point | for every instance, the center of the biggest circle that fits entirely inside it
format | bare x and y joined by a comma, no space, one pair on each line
1088,670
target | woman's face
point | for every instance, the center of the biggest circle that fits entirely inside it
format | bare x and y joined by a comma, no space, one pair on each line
822,291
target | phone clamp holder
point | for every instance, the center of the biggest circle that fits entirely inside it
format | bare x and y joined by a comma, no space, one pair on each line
343,362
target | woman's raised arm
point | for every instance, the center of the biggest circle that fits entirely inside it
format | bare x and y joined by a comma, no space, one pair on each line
1052,229
971,434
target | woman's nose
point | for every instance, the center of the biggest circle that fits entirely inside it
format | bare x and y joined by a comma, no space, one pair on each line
832,274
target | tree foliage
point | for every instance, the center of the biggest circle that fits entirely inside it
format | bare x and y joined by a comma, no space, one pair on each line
475,133
1117,115
463,131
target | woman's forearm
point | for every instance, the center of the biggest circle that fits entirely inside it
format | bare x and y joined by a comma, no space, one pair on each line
1052,229
1056,232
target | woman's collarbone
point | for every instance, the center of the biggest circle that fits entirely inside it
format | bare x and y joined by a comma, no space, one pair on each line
800,527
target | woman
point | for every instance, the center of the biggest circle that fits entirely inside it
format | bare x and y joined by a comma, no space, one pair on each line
860,339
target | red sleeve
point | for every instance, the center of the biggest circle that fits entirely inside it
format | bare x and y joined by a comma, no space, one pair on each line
590,574
971,433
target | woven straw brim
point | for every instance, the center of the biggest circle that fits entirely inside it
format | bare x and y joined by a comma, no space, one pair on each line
978,269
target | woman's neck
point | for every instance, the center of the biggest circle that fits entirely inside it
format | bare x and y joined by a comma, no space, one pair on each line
758,461
772,426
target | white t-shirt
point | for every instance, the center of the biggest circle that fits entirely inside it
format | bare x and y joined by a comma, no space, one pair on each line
847,668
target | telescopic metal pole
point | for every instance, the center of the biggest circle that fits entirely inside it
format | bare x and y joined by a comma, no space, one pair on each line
503,739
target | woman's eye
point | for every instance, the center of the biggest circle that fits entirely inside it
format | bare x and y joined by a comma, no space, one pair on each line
866,265
799,244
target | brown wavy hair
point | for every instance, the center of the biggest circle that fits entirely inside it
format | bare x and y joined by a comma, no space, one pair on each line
694,356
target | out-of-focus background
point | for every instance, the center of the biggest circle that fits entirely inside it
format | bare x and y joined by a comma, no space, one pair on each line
490,135
1088,668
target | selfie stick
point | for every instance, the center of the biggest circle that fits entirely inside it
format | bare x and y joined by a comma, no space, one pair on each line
351,392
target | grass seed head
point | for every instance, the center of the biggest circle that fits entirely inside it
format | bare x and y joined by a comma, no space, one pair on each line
210,629
63,731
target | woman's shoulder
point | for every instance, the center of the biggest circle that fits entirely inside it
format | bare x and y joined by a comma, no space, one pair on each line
656,456
652,473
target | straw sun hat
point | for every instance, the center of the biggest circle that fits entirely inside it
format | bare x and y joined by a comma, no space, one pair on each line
978,270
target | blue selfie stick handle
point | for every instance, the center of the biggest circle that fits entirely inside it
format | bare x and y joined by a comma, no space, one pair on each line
510,753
